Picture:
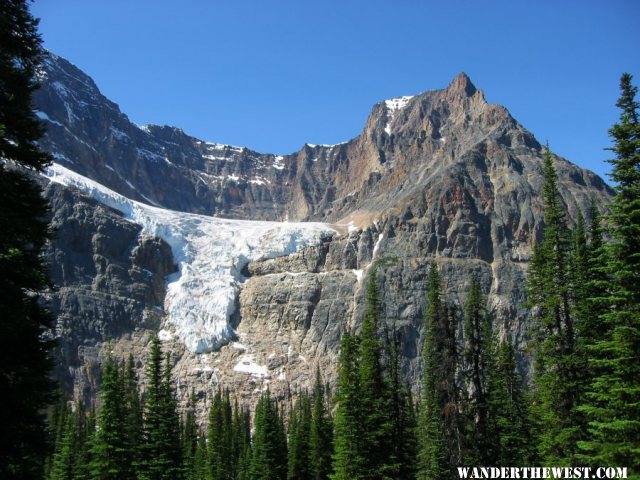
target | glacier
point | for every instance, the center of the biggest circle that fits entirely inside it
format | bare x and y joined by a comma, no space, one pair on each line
210,252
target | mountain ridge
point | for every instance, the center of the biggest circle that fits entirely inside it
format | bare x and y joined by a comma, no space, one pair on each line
442,176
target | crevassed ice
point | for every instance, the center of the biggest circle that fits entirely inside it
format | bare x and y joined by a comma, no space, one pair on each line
210,253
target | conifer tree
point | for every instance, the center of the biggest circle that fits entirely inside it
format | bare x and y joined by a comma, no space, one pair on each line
109,452
374,392
403,440
161,454
63,461
24,361
241,443
269,446
132,414
508,408
433,456
481,438
349,461
320,435
299,462
556,375
612,405
220,437
190,438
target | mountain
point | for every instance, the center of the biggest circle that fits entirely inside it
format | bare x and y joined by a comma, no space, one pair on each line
443,176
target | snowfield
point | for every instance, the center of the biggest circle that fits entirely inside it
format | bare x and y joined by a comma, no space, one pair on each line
210,253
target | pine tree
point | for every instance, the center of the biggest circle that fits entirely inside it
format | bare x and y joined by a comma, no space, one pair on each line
556,366
269,447
612,405
241,442
374,392
132,415
24,361
299,462
110,455
63,460
508,408
160,450
349,462
403,440
190,438
481,439
220,437
320,435
433,456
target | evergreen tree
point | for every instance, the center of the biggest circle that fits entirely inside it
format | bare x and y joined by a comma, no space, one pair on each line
132,415
556,373
220,437
299,462
24,362
349,461
269,447
241,444
374,392
433,456
481,438
320,435
403,440
161,453
612,405
110,455
190,438
63,461
508,408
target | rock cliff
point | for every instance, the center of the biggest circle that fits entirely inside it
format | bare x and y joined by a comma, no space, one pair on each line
442,176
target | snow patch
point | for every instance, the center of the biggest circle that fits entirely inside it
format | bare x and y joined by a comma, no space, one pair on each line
393,105
278,163
164,335
210,252
247,364
43,116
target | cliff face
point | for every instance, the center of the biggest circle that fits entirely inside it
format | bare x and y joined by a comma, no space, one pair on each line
441,177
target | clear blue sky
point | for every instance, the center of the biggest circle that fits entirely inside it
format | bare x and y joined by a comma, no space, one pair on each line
272,75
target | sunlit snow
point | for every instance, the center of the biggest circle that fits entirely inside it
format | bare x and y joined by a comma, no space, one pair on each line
210,252
393,105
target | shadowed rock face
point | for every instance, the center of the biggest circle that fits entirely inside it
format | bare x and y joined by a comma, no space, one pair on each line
442,176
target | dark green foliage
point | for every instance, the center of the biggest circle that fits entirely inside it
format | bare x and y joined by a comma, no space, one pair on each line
24,363
269,447
508,409
374,392
190,439
160,449
299,463
320,434
110,458
557,377
403,441
612,407
481,438
436,405
220,438
241,446
349,461
63,459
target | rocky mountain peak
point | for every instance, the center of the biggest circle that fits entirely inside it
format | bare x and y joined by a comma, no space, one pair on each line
462,83
440,177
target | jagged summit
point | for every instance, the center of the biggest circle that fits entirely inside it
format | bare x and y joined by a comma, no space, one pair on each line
462,83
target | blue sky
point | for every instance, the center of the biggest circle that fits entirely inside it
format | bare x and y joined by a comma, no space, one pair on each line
272,75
